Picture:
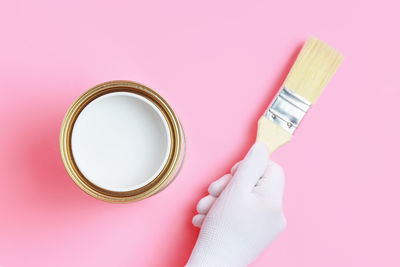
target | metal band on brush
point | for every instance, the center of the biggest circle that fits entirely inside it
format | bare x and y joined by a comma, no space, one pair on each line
287,109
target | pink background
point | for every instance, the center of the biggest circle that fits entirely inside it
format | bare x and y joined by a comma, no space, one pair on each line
218,63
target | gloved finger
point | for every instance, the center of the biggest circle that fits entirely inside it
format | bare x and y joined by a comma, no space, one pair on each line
205,204
252,167
198,220
272,183
235,167
219,185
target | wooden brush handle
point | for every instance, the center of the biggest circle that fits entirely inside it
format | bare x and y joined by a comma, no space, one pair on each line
271,134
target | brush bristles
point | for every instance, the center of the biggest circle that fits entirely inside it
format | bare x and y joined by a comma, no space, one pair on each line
314,67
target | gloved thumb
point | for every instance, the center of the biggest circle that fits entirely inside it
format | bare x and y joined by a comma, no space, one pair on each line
252,167
272,183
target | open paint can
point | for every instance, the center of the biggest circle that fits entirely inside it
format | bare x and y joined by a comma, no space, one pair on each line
120,141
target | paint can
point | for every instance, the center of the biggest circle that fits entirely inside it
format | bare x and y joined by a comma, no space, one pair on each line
121,141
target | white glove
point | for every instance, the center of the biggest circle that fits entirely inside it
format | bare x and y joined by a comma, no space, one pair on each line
242,214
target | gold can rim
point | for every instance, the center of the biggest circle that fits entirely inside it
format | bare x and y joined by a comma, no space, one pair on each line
168,171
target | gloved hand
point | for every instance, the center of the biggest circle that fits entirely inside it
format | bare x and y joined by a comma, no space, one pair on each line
242,214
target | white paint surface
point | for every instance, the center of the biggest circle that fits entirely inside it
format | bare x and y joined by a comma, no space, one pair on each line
120,141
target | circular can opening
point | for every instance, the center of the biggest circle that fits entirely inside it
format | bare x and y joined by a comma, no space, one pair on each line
121,141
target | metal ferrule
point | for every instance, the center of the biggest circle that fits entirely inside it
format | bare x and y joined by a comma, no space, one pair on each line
287,109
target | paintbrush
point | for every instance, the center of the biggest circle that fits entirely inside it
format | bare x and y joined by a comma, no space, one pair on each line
312,70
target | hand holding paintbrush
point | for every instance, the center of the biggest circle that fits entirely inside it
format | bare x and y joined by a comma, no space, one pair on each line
243,212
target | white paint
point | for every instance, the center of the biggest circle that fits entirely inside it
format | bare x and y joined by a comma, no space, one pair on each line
120,141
